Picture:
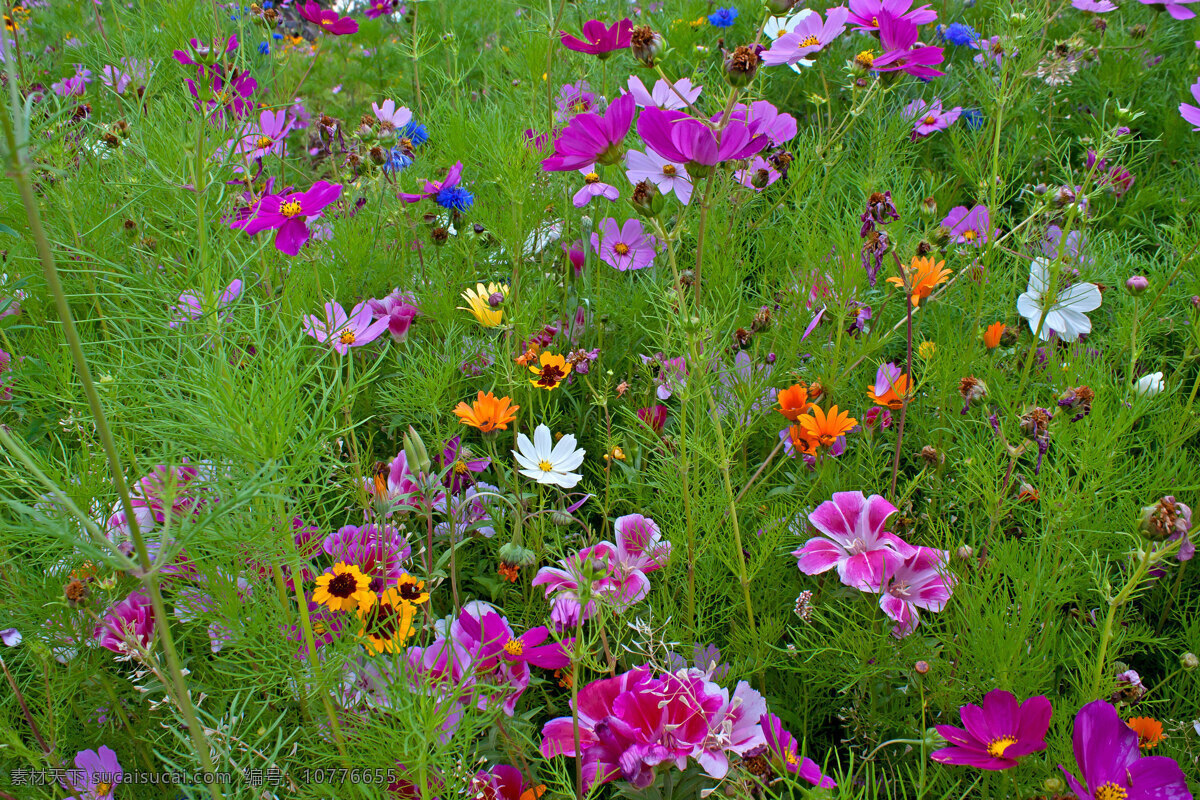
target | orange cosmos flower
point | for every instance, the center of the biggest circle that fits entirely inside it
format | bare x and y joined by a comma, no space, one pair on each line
922,276
488,414
529,355
991,337
793,401
1149,731
821,429
553,371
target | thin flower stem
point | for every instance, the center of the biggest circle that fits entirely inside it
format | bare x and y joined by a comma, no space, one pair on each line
700,237
908,371
575,701
554,39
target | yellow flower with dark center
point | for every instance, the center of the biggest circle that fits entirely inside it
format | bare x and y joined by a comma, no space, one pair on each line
553,370
411,590
388,624
344,588
480,303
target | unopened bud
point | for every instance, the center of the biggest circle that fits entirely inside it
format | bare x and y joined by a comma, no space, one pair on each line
1189,661
921,667
516,555
929,208
1053,785
1137,284
646,45
495,299
965,552
415,454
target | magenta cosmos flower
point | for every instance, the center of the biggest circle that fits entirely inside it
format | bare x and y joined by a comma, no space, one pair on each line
624,247
288,214
673,96
345,331
968,227
590,138
1178,9
865,15
601,41
379,8
763,117
192,307
810,36
1191,113
1111,763
225,92
921,581
898,36
379,551
95,777
394,488
854,541
264,138
398,309
129,621
205,54
593,187
758,175
784,754
667,175
328,21
682,139
433,189
996,734
928,118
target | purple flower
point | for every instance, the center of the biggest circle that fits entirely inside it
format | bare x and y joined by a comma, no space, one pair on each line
288,214
434,190
345,331
623,247
1176,8
921,581
11,637
758,175
670,96
470,512
810,36
1191,113
997,734
682,139
591,138
968,227
866,15
898,36
655,417
854,541
1111,764
667,175
394,489
1094,6
929,117
380,8
460,465
129,621
379,551
398,309
95,777
672,374
225,92
763,117
264,139
1071,250
74,85
784,754
593,187
575,98
191,307
601,40
205,54
990,50
328,21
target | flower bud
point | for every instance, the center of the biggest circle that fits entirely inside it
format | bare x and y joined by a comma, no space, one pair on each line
1189,661
646,45
1054,785
647,200
742,65
415,454
516,555
965,552
1137,284
921,667
777,8
929,208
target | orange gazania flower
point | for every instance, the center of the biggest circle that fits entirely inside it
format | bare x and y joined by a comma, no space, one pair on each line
893,398
488,414
553,370
530,354
821,429
1149,731
922,276
991,337
793,401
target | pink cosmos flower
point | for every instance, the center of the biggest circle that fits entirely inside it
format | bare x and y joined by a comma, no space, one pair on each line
398,309
854,541
288,215
898,37
865,15
225,92
75,85
763,117
810,36
623,247
1191,113
191,307
667,175
343,331
394,488
379,8
591,138
968,227
593,187
674,96
131,69
131,620
258,140
930,117
379,551
758,175
921,581
391,117
165,490
328,21
205,54
434,188
1094,6
682,139
990,50
1178,9
997,734
96,775
784,754
601,40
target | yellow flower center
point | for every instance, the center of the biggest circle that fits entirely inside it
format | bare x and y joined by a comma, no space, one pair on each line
460,467
1110,791
545,466
318,627
930,120
811,41
669,169
326,22
290,209
264,142
621,248
969,235
997,747
591,177
875,21
102,788
791,758
866,58
514,647
347,337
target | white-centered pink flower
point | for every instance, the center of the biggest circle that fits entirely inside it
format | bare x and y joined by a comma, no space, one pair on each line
854,541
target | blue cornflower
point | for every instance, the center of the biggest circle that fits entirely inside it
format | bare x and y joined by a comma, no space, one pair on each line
415,133
455,198
959,34
722,17
397,160
276,36
973,117
264,48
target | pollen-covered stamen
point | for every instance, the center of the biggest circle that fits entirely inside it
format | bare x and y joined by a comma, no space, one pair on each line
996,747
810,41
930,120
514,647
865,59
264,142
343,585
545,466
460,467
970,236
621,248
591,177
347,337
291,208
669,170
1110,791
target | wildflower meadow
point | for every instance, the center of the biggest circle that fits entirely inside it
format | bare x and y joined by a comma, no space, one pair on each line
508,400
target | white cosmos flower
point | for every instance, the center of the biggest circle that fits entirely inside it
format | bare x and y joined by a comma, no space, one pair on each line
1149,385
547,462
1065,314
